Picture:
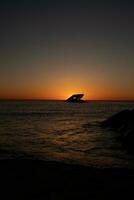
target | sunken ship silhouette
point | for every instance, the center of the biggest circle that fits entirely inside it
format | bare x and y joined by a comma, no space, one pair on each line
76,98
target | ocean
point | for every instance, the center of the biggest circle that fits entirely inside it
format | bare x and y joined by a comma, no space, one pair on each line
61,131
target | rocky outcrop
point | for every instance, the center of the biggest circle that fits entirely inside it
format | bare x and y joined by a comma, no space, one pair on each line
77,98
123,123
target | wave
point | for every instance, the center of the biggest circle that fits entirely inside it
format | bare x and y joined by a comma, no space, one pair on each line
29,113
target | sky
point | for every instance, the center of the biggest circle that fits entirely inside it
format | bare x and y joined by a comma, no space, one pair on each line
53,49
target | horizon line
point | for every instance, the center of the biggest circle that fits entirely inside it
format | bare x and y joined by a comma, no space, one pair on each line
38,99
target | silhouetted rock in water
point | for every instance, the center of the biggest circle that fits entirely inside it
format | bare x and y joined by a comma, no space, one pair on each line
119,120
76,98
123,123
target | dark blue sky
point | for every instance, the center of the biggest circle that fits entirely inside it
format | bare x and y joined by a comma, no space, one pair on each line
50,49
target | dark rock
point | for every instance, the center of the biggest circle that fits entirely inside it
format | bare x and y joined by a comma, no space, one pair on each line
77,98
117,121
128,140
123,123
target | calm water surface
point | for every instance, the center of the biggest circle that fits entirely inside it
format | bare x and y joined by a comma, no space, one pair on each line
57,130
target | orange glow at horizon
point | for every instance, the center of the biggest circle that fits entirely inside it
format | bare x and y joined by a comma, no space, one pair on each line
62,93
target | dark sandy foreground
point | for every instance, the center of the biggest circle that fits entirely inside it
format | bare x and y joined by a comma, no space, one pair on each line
32,179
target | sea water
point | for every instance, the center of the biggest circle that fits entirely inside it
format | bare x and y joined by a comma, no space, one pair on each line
61,131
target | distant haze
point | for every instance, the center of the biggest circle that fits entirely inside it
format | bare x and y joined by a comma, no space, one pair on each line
52,49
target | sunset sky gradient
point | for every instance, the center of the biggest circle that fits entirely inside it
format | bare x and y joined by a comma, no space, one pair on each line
52,49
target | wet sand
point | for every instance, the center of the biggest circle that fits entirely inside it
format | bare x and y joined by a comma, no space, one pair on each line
34,179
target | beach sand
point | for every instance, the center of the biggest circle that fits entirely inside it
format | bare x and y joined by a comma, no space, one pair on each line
35,179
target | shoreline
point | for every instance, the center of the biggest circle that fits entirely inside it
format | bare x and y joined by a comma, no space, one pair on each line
36,179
